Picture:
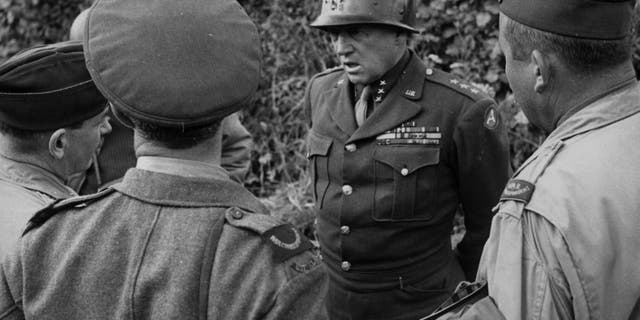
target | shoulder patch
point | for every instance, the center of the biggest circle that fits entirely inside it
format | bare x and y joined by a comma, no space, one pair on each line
471,90
285,240
518,190
491,118
46,213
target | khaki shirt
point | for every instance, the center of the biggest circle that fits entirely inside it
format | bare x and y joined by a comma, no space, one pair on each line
571,250
24,189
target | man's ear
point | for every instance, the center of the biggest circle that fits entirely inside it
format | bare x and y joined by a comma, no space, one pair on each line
542,70
58,143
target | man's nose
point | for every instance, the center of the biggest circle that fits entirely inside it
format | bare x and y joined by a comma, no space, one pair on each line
106,127
342,45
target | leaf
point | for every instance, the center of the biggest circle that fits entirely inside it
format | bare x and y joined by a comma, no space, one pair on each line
482,19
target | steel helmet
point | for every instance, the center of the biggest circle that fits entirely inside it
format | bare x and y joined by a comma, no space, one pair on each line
395,13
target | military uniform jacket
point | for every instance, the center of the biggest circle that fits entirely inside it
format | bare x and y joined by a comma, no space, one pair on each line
161,246
24,189
564,243
386,192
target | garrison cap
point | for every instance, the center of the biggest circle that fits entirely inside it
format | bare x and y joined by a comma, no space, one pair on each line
48,87
177,64
587,19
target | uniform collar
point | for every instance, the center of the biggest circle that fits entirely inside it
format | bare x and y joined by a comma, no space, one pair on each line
614,106
382,86
35,178
182,167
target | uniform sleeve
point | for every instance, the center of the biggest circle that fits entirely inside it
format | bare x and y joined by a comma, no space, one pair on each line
482,151
526,263
249,282
303,296
236,148
10,298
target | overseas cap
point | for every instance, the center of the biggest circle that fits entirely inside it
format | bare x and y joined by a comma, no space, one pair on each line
588,19
173,63
48,87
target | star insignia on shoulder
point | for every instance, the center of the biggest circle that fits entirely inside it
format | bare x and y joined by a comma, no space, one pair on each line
454,81
464,86
341,81
383,83
380,91
378,98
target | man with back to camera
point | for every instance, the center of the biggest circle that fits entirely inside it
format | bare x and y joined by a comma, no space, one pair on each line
177,238
564,243
52,119
116,153
396,148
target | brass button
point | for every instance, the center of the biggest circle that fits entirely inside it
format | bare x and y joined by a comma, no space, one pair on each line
345,230
429,71
345,265
404,171
347,190
351,147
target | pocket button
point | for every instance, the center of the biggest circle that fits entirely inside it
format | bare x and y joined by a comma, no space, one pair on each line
345,265
345,230
347,190
351,147
404,171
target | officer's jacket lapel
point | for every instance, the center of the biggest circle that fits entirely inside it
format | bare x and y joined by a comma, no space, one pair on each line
399,105
340,107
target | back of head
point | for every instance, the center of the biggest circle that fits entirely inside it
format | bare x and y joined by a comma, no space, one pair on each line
587,35
173,65
46,88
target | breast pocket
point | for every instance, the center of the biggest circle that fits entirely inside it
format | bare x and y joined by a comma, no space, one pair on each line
319,147
406,183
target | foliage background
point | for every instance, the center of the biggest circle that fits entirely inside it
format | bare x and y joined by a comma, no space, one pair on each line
459,36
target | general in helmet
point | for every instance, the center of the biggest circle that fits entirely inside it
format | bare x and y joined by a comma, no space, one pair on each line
396,149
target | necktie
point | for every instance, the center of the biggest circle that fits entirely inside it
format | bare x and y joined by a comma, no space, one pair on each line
362,104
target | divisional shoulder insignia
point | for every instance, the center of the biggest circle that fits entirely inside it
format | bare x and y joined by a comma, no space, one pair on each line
518,190
286,241
491,119
410,134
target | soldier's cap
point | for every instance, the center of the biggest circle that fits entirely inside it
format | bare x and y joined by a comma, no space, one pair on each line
586,19
173,63
48,87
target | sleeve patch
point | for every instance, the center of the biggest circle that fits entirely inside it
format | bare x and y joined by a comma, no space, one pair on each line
491,119
286,242
518,190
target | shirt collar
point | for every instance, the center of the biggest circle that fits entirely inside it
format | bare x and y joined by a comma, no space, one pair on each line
32,177
182,167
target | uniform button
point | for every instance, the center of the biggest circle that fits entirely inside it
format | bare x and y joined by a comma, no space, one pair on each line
404,171
345,230
429,71
236,213
351,147
345,265
347,190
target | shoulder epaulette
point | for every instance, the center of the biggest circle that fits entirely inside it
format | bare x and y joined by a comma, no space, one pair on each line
44,214
285,240
471,90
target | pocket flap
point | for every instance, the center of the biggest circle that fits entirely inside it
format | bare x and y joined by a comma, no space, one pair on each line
410,158
318,145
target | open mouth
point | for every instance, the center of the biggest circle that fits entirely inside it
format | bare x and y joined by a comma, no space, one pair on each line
351,66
